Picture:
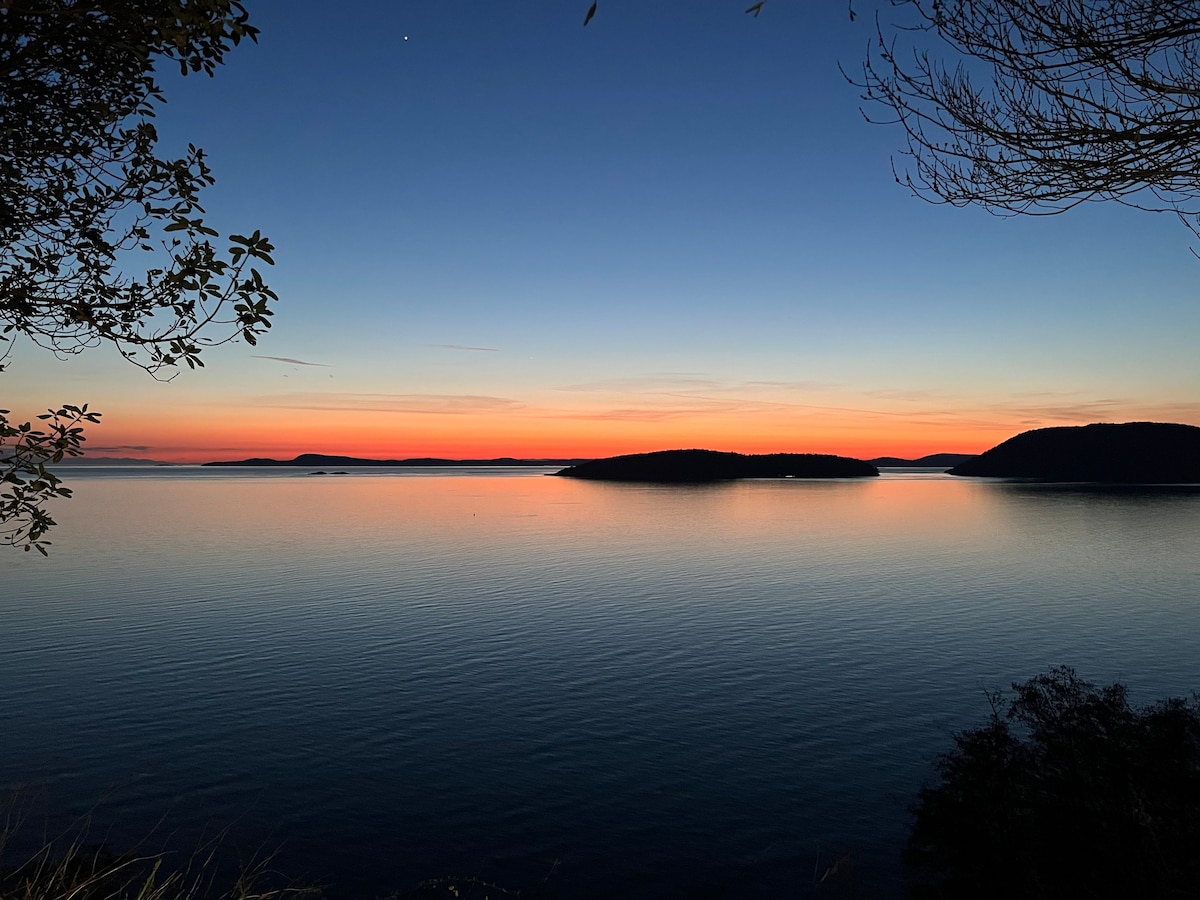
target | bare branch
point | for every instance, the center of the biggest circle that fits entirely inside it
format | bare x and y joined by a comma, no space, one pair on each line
1036,106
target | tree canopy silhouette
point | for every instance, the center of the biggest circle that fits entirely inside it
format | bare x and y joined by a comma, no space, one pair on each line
102,240
1037,106
1067,791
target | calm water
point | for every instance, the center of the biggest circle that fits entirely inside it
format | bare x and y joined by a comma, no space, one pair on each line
673,692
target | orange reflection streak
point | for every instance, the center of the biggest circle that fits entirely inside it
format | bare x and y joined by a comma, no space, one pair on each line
232,517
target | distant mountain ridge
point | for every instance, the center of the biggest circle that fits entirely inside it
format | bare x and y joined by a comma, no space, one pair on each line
321,459
695,466
1129,453
933,460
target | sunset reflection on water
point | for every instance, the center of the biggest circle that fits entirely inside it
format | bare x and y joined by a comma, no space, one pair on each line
654,685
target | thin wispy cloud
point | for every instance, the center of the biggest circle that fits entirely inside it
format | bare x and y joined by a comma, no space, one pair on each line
912,396
1037,395
1087,411
1106,409
688,383
294,362
118,448
699,407
804,385
637,414
1029,409
441,404
677,395
662,383
465,347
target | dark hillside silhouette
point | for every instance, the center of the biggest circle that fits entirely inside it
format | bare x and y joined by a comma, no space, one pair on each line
712,465
1132,453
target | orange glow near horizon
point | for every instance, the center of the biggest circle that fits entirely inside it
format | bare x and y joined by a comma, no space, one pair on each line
177,436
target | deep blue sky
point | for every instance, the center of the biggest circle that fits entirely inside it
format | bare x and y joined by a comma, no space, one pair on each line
670,227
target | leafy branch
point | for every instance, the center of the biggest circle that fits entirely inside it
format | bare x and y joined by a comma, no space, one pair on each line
102,241
24,478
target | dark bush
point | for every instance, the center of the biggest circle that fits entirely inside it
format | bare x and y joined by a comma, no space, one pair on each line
1067,791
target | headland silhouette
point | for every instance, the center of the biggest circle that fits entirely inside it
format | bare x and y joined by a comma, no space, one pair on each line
1129,453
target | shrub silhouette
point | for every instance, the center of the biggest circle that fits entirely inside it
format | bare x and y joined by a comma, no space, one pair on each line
1067,791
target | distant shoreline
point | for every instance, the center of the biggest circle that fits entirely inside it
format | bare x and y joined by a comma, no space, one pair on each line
936,460
307,460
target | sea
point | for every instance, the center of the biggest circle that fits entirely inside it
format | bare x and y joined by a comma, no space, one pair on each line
566,688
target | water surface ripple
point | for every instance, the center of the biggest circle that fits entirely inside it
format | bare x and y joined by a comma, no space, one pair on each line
670,691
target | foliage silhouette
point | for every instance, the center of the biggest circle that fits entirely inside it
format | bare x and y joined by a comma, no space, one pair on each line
1067,791
27,483
102,241
1037,106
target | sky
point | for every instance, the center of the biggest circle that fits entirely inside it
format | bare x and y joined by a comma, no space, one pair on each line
501,233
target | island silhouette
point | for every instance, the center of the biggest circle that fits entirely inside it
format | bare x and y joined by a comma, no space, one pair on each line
693,466
1128,453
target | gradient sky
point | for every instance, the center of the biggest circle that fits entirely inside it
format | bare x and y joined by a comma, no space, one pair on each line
501,233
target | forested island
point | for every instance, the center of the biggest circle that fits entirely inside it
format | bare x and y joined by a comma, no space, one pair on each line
692,466
1129,453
